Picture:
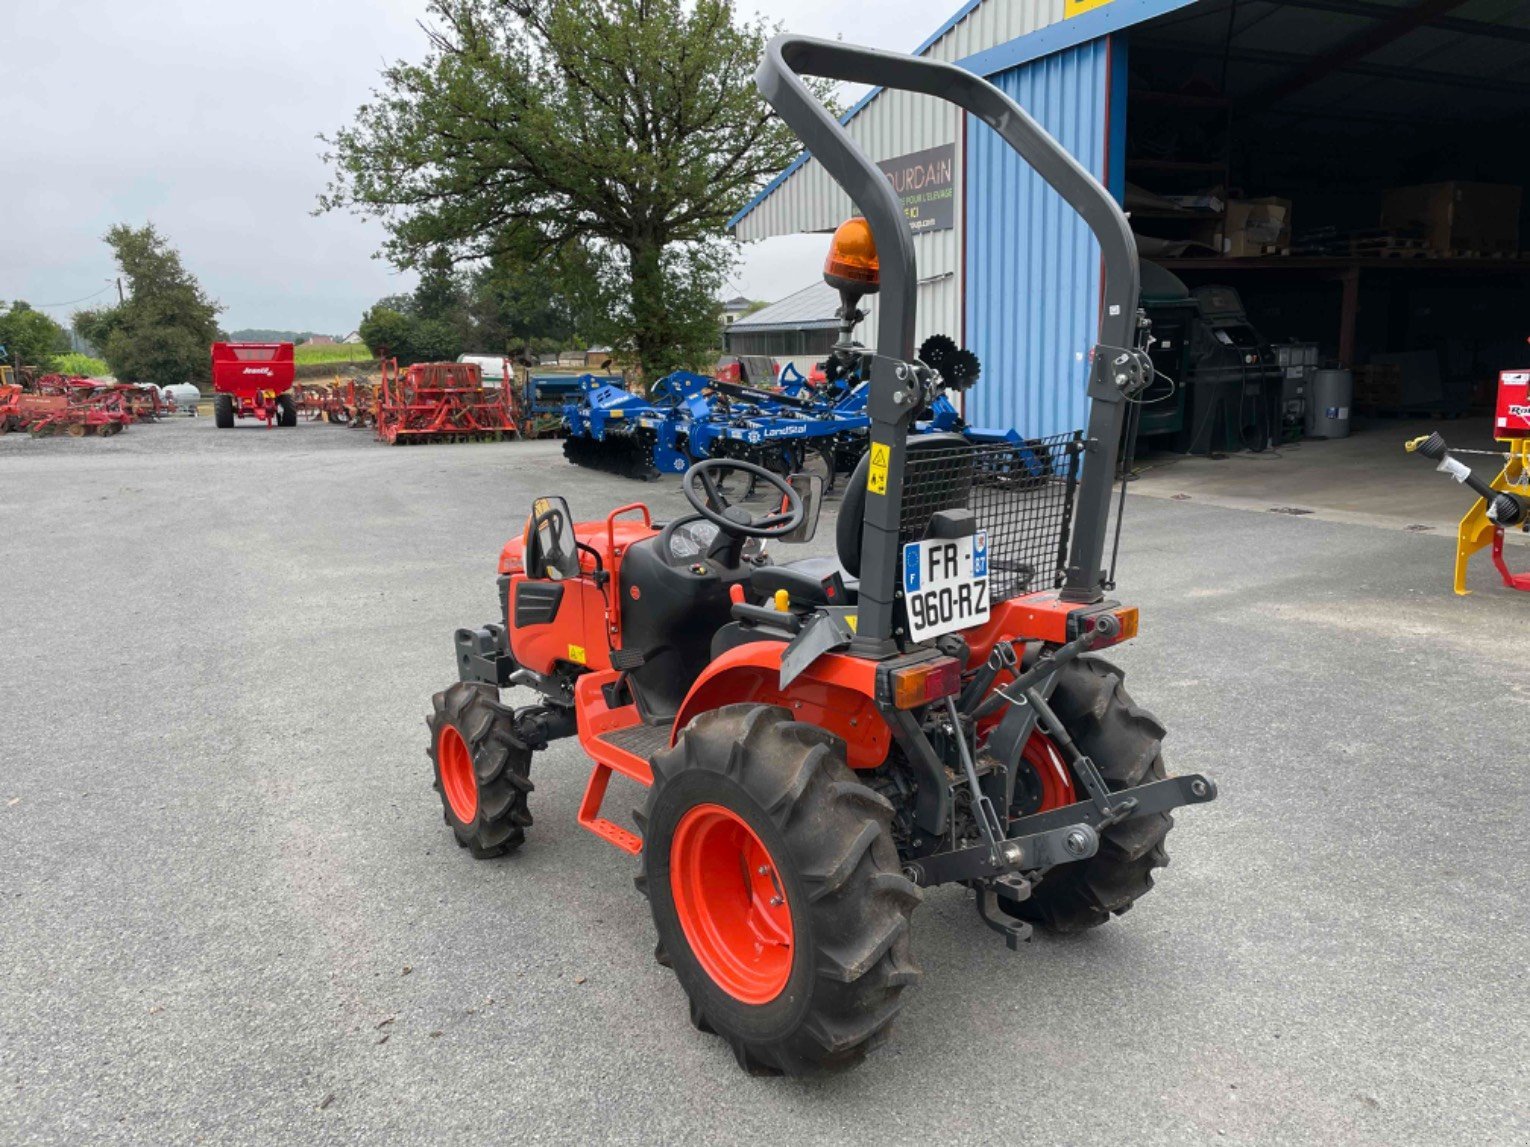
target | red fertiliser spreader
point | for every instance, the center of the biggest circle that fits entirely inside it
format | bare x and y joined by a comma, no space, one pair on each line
253,380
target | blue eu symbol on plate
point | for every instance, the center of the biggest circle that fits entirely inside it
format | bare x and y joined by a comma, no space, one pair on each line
911,556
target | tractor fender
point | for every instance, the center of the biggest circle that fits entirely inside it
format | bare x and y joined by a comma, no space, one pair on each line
835,693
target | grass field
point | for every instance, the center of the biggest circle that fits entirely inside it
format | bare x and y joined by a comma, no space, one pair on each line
344,352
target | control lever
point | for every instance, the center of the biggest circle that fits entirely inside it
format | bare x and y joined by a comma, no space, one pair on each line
1001,657
761,615
1105,626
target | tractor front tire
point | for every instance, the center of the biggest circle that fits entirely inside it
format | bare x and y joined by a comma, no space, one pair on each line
223,411
1123,740
776,891
482,769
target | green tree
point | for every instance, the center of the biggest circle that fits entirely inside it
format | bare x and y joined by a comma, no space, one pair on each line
498,307
389,331
29,336
163,332
610,139
80,366
516,307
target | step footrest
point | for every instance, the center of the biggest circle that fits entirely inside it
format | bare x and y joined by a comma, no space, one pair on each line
590,818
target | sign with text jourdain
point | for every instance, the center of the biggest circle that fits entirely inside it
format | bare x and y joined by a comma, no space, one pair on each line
926,185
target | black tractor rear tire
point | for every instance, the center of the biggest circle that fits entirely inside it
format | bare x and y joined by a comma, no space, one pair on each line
835,869
223,411
286,410
496,819
1124,741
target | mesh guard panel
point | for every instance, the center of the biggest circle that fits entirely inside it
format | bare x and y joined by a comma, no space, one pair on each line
1021,494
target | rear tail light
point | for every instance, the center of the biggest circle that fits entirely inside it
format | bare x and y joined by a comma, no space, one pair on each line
1111,627
1128,619
928,681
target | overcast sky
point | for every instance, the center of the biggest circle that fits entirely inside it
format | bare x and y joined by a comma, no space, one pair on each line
200,116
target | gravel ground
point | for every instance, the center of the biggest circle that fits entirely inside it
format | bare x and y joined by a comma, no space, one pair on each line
229,911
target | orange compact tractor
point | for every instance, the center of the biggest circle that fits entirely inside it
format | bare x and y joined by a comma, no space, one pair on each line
820,740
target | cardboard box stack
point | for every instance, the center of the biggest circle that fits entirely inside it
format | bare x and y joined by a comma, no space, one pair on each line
1457,219
1256,227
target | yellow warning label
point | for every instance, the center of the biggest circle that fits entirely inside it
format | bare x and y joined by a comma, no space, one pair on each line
850,620
876,476
1073,8
576,655
540,507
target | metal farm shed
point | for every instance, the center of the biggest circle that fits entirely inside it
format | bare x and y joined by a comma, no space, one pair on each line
1324,105
1012,248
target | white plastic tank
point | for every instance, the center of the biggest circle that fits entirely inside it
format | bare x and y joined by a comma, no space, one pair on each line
185,395
1328,404
490,365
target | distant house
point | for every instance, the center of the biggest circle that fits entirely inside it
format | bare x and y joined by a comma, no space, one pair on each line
353,337
319,340
735,308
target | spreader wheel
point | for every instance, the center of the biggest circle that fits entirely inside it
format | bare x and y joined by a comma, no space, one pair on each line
775,888
481,769
1123,741
286,410
223,411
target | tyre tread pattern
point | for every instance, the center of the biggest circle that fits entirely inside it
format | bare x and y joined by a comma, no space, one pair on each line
839,839
501,766
1124,741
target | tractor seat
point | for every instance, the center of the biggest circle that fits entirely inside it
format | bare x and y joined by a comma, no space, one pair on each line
805,581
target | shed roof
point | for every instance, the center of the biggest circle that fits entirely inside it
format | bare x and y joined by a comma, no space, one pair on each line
814,307
983,36
1356,61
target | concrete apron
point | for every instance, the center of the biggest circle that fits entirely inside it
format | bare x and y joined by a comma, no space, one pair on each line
1366,479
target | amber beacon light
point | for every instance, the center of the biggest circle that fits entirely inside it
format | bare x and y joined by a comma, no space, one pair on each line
852,261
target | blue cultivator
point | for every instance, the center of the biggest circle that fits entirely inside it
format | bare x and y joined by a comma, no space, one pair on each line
688,417
797,426
605,430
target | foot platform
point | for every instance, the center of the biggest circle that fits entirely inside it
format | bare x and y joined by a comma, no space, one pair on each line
617,740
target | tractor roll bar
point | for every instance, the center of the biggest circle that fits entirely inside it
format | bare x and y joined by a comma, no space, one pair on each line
892,400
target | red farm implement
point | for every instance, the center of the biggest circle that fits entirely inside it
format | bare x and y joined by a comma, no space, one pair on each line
10,398
144,403
43,415
359,400
442,402
71,406
312,401
321,402
348,402
253,380
120,402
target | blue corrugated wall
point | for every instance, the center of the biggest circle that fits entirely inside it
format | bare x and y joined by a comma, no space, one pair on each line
1033,268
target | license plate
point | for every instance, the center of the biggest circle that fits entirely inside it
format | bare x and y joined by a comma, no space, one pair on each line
945,585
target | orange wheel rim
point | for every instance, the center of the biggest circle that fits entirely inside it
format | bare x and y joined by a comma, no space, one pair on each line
732,903
1056,780
456,765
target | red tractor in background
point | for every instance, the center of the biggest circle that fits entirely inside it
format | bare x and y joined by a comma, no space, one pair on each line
822,739
253,380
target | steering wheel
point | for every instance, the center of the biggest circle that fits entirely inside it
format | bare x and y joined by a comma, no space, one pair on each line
712,506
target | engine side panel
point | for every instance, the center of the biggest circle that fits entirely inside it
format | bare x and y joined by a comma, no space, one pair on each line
553,622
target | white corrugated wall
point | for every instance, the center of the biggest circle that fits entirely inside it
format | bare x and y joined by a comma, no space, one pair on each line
894,124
